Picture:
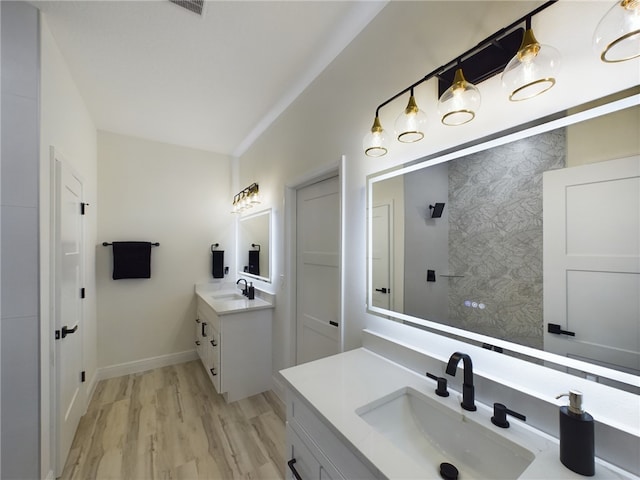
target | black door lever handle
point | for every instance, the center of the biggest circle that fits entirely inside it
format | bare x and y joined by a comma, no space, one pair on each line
68,331
383,290
557,329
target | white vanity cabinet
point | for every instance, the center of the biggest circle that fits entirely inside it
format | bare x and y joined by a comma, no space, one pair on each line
314,451
235,349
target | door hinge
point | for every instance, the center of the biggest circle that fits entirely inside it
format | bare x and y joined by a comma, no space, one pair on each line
57,335
82,292
82,207
82,376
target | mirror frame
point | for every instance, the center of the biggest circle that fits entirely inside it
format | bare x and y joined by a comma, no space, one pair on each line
239,251
609,104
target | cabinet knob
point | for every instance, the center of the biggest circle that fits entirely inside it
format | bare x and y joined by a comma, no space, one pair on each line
213,343
213,371
197,343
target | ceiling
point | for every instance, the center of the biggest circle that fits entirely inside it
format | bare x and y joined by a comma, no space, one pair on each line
154,70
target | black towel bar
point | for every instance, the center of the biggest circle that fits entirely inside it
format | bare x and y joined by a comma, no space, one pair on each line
106,244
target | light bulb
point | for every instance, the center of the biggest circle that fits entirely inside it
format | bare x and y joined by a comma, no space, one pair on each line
617,36
375,142
459,103
410,124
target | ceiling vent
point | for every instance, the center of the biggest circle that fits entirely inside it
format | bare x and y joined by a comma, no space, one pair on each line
195,6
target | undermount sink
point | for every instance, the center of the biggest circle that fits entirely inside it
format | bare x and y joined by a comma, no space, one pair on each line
227,296
432,433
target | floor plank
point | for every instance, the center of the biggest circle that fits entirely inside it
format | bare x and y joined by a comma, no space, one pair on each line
169,423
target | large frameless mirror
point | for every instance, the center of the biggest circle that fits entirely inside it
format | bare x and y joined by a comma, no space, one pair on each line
527,243
254,246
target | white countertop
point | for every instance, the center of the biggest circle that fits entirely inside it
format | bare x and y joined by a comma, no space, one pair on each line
225,306
338,385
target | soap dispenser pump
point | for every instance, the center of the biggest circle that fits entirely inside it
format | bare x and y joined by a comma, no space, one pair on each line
577,449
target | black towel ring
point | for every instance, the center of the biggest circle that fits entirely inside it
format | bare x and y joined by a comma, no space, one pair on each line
214,246
255,245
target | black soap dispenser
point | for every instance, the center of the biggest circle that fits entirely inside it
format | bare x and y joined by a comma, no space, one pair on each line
577,449
251,291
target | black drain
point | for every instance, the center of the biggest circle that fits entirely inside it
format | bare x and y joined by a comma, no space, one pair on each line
448,471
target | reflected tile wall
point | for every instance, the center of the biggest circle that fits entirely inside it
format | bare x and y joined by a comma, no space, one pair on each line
495,237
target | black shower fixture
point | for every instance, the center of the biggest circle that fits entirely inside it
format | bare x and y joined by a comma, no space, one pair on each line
436,210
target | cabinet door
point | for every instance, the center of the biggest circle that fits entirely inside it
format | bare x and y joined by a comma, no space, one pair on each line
213,359
300,462
198,337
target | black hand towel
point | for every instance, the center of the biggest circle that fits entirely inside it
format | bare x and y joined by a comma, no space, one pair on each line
254,262
217,263
131,260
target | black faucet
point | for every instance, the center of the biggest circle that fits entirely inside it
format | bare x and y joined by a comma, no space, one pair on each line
244,290
468,395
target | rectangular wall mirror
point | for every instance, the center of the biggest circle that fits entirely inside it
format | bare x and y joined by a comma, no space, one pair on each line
254,246
527,243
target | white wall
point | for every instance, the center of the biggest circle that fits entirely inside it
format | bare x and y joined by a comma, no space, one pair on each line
66,124
595,140
426,244
19,242
180,197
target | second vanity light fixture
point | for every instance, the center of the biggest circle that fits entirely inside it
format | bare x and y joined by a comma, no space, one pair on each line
530,72
246,198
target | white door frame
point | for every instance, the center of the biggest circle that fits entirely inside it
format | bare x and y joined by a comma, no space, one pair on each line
290,209
53,364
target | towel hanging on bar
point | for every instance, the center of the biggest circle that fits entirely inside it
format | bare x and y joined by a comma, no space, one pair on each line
217,263
131,260
254,262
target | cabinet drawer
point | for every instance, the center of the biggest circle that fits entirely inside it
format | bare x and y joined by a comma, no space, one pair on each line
300,459
344,460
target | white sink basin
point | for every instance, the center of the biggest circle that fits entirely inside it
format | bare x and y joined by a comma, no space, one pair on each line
432,433
227,296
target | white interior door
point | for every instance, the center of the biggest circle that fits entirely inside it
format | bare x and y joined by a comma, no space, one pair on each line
381,256
317,270
592,262
68,268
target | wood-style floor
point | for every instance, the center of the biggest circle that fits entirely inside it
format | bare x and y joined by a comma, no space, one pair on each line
169,423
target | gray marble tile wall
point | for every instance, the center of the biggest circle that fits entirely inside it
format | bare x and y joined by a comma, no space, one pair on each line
495,237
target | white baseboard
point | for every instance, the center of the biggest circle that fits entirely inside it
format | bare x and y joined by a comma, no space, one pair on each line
145,364
91,387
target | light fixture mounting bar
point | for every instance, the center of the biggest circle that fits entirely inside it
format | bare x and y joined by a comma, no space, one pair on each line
481,45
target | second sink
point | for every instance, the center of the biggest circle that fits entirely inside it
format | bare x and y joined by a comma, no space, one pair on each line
432,433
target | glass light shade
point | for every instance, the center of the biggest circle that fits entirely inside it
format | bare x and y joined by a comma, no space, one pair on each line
617,36
410,124
255,197
375,143
459,103
532,70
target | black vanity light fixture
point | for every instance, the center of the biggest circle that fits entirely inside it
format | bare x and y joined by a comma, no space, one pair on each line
246,198
617,36
528,70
